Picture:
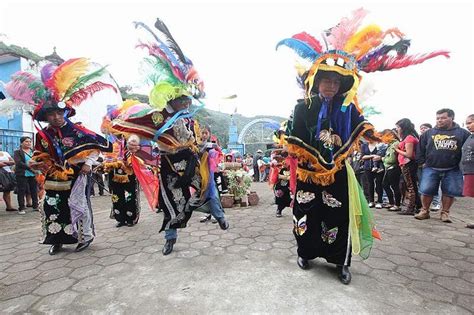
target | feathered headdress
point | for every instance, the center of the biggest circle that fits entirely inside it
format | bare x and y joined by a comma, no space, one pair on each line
173,74
60,87
350,49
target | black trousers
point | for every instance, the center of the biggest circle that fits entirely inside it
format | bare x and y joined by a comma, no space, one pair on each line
27,185
374,184
391,185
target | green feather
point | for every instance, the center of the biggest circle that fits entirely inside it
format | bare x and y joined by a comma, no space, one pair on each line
83,81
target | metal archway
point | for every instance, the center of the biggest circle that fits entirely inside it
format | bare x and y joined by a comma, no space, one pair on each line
250,124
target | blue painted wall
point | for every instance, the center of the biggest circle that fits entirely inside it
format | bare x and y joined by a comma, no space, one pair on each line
6,70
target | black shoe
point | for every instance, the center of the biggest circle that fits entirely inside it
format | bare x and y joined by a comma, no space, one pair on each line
130,224
344,274
55,249
278,213
302,263
407,212
168,247
119,224
223,224
81,246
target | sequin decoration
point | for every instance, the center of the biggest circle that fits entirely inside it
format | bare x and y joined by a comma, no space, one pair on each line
329,200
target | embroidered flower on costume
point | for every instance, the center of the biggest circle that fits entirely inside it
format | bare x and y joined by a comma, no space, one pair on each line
279,193
304,196
67,142
129,213
180,166
328,236
299,225
54,228
329,200
127,194
68,229
181,131
115,198
157,118
116,211
52,201
53,217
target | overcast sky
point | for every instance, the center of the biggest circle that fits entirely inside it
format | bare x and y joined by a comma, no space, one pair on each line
233,47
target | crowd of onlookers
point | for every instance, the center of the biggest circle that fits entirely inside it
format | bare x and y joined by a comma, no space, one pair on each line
407,171
413,172
16,176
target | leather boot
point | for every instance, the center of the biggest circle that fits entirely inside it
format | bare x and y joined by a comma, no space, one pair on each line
223,224
55,248
445,216
407,211
344,274
302,263
168,247
423,214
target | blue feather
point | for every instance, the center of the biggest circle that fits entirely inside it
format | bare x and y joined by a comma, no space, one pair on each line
301,48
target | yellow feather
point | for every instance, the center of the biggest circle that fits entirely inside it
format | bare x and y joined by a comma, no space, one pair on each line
67,73
365,39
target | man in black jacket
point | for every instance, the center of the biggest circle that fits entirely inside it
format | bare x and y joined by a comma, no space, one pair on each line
439,152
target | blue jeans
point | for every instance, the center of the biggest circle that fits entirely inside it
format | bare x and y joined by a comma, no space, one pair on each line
171,234
451,182
216,211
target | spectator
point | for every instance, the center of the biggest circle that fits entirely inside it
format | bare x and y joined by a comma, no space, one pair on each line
391,180
406,159
435,204
372,154
467,162
440,155
25,176
256,172
424,127
7,180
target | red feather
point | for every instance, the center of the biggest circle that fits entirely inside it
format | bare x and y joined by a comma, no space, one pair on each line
79,96
385,63
310,40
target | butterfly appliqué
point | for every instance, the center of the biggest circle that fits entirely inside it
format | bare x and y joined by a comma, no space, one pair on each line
329,200
300,225
328,236
304,196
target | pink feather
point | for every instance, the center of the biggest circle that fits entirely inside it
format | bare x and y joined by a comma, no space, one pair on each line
310,40
346,28
20,87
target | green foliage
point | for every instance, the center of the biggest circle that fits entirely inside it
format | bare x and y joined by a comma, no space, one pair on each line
239,182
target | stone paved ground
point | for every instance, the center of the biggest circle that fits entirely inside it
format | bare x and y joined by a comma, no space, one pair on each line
419,267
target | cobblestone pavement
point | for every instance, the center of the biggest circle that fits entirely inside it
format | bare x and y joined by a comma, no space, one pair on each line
419,267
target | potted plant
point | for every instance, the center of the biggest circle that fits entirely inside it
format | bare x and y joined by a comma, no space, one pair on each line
239,183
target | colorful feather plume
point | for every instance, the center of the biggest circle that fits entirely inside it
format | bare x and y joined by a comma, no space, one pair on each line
171,64
66,75
25,87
